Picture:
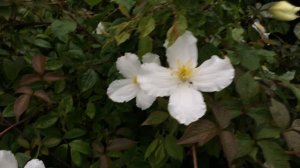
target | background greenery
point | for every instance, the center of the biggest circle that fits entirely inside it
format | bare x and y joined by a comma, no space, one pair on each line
57,110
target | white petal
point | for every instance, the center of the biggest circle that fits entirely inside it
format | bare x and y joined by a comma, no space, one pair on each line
100,28
151,58
183,51
156,80
213,75
7,159
128,65
122,90
144,100
186,105
35,163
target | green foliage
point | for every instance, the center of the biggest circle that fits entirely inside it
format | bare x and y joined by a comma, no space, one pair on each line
56,70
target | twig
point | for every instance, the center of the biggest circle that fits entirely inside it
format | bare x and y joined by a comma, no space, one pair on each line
194,151
2,133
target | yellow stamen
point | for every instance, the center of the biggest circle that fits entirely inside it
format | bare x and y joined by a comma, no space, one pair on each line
184,72
134,80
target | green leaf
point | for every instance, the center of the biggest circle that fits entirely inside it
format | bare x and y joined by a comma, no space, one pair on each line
74,133
151,148
274,154
62,151
156,118
66,104
173,149
237,34
8,111
76,158
90,110
92,3
260,115
146,26
279,113
247,87
22,159
50,142
46,121
145,45
53,64
245,145
122,37
178,28
128,4
292,138
81,147
62,27
10,69
267,132
88,80
42,43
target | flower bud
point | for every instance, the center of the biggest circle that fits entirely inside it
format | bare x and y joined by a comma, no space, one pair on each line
284,11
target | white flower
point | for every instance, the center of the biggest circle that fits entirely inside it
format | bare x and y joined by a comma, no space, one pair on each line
100,28
126,89
182,80
280,10
260,29
8,160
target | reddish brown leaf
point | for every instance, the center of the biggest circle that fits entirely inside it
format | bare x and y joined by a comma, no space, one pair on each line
38,63
119,144
221,114
293,140
200,131
98,147
29,79
43,95
24,90
296,125
105,161
230,146
52,76
21,105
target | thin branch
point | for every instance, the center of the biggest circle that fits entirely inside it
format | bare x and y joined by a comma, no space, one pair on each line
194,152
2,133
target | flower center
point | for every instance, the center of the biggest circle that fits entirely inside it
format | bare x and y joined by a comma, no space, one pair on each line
184,72
134,80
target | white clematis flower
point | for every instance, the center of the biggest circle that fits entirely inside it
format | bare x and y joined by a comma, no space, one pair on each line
8,160
182,80
100,28
126,89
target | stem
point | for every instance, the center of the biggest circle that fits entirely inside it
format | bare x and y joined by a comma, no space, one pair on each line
2,133
194,151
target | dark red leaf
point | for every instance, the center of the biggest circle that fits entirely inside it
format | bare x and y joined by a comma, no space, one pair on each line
230,146
52,76
43,95
98,147
24,90
38,63
120,144
29,79
105,161
200,132
21,104
221,114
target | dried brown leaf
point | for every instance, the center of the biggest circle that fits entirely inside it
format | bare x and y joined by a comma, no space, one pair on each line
38,63
43,95
296,125
52,76
200,132
293,140
24,90
221,114
21,104
230,146
29,79
119,144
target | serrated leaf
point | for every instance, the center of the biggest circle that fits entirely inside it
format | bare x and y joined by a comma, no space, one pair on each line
156,118
200,132
88,80
274,154
279,113
119,144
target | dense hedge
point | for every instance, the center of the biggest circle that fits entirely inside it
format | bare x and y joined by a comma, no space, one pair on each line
56,68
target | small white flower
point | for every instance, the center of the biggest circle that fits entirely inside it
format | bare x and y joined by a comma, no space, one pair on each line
100,28
125,90
182,80
8,160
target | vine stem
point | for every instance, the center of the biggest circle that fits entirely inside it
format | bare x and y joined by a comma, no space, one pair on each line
194,152
2,133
